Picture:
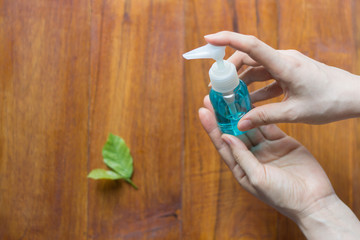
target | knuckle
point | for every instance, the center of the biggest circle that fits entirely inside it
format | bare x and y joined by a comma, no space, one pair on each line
257,180
293,59
296,63
263,116
237,156
293,52
220,146
292,113
253,41
226,34
292,64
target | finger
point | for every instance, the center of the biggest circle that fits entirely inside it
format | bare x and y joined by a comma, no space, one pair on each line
262,138
258,141
270,91
245,139
256,49
272,146
269,151
272,132
255,74
246,160
239,174
208,104
209,123
239,59
255,137
266,114
265,152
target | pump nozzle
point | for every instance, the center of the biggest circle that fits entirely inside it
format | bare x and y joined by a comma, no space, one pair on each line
208,51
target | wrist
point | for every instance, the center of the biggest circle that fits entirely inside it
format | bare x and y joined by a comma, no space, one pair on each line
329,218
352,97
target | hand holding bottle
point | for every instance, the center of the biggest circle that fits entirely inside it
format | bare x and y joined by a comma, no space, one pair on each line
313,92
281,172
229,95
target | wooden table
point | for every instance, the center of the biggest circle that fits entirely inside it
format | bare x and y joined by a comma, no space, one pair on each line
71,72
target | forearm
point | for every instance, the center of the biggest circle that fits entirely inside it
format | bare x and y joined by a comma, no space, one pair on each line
330,219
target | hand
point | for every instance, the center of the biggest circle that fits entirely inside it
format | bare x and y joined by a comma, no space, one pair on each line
313,92
271,165
281,172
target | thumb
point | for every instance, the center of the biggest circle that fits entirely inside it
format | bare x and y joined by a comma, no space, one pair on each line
266,114
242,156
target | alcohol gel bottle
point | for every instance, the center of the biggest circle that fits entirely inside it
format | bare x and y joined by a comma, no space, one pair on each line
228,95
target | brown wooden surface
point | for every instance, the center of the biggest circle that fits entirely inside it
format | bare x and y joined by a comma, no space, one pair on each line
71,72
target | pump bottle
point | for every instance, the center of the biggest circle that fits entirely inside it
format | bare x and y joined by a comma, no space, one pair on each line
229,94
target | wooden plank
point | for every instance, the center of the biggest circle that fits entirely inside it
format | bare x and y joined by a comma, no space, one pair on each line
214,205
137,93
356,69
44,70
323,31
170,232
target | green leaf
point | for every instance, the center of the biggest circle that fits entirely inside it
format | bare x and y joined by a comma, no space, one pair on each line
103,174
117,156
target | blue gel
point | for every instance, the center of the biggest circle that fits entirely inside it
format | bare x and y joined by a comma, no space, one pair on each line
228,113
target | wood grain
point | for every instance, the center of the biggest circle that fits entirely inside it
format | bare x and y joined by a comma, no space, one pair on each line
137,93
44,70
356,145
75,71
304,25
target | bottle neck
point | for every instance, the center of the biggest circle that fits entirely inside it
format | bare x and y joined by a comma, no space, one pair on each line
226,93
220,65
224,79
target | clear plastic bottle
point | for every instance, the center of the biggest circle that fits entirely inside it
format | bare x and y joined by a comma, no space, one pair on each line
230,108
228,95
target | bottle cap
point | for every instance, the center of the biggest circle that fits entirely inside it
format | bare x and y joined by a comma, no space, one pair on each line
223,74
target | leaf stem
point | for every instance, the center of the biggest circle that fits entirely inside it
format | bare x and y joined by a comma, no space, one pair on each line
131,183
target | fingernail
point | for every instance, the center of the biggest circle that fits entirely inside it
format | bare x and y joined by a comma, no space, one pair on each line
245,125
227,139
201,110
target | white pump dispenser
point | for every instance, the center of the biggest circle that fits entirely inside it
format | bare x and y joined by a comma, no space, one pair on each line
223,75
